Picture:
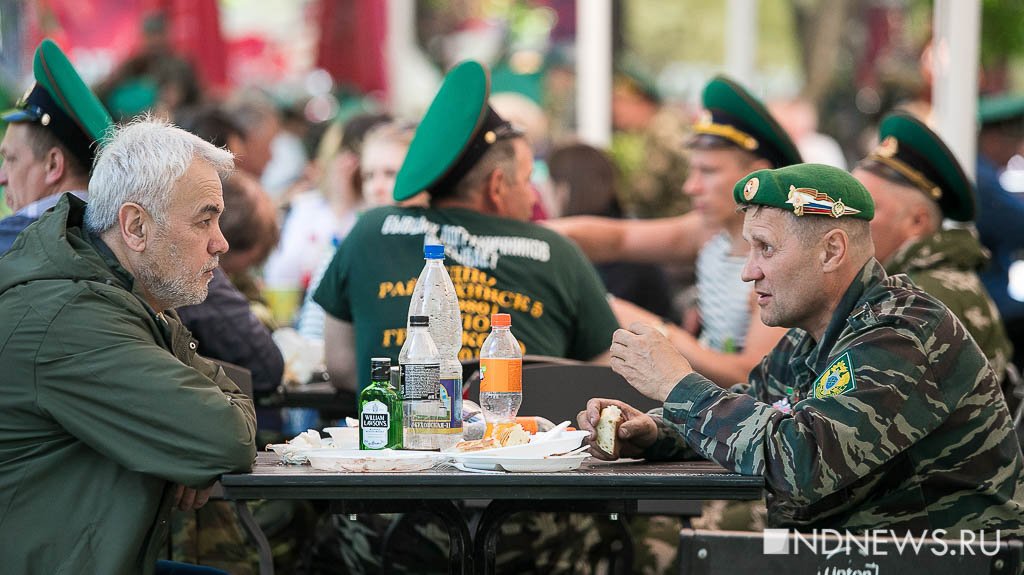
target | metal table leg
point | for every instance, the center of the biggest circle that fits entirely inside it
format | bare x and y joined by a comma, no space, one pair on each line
254,531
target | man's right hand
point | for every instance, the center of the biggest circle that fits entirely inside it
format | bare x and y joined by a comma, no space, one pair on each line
637,432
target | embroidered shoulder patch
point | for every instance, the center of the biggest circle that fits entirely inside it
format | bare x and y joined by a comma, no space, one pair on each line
837,378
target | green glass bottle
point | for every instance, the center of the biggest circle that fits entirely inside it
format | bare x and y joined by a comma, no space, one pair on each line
380,409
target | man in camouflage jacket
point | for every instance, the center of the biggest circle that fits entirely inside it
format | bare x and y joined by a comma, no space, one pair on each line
878,411
916,182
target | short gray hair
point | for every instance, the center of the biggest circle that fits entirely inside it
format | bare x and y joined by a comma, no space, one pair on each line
140,162
501,155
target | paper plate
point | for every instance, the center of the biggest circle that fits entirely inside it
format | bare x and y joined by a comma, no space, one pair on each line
525,464
537,448
385,460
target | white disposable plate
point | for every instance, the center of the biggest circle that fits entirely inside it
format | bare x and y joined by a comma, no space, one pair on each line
565,442
526,464
385,460
296,454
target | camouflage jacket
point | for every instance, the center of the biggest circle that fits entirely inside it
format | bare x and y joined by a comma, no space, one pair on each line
652,168
893,420
946,265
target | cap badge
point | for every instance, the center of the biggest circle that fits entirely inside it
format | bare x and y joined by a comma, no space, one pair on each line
811,201
750,189
888,147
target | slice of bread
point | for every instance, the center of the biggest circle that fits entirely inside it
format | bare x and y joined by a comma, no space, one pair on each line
477,445
512,435
608,430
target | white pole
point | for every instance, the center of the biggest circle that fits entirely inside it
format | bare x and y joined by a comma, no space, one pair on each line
741,40
401,31
955,57
594,71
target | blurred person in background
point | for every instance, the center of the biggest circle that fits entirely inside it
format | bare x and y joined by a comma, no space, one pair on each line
288,157
735,136
260,122
583,181
1001,212
153,79
915,182
48,147
647,146
383,150
318,218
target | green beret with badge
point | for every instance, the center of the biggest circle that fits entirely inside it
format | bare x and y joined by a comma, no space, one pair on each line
62,103
455,133
732,116
807,190
916,156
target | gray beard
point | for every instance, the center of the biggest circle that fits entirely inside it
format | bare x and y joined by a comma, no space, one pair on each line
170,285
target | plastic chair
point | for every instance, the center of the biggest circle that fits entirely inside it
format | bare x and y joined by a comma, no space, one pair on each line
559,392
780,551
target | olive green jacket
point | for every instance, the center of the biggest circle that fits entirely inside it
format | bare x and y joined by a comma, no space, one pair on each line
105,408
946,265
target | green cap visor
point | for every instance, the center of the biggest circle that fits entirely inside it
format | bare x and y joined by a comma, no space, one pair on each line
734,116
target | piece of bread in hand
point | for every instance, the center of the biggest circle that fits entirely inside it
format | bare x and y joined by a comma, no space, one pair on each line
608,430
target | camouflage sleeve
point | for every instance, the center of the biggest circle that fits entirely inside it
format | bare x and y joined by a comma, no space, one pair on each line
670,444
884,397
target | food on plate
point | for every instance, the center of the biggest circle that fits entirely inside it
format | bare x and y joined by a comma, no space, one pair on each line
512,435
477,445
608,430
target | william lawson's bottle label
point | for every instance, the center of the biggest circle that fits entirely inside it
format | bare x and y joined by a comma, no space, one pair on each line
375,421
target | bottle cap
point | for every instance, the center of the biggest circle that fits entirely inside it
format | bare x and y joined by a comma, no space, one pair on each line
419,321
501,320
380,368
433,252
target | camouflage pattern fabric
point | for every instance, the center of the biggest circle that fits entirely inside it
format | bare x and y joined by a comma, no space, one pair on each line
213,535
652,167
946,265
896,421
529,543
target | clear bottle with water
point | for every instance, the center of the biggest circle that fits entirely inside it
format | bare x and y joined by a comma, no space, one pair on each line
421,382
501,373
434,296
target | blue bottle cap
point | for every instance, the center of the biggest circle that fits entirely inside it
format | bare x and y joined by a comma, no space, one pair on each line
433,252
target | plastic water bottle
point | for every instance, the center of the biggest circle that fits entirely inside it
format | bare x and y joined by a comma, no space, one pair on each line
434,296
421,382
501,372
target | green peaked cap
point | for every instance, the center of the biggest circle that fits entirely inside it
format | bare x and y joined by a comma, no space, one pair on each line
995,109
458,128
908,147
806,190
732,114
61,102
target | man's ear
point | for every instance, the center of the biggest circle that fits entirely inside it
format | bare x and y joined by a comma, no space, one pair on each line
54,166
835,245
135,226
493,192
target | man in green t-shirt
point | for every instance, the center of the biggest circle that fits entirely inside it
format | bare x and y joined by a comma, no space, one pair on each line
476,168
